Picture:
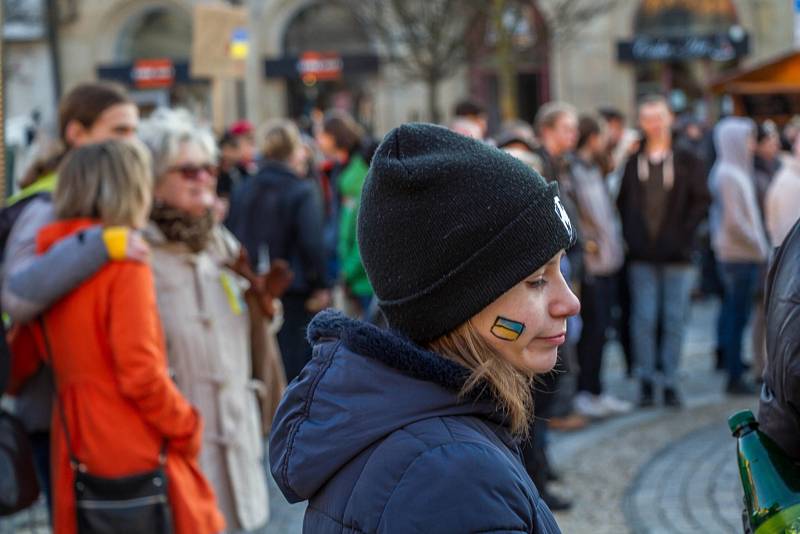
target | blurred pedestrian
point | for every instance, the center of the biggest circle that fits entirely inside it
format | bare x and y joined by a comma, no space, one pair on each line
739,240
474,113
88,113
278,215
341,139
201,303
766,164
381,416
602,259
783,197
556,126
106,348
662,199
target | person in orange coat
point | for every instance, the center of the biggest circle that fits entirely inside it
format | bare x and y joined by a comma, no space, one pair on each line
108,351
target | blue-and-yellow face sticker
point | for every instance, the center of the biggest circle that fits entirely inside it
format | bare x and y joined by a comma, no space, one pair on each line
506,329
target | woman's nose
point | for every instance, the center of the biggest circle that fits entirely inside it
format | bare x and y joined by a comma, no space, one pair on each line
565,303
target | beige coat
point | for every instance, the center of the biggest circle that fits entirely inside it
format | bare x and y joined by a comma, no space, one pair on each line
207,326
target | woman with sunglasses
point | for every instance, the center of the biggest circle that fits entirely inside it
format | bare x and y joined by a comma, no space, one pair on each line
206,322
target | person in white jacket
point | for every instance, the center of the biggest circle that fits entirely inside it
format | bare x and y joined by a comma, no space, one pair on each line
782,202
738,238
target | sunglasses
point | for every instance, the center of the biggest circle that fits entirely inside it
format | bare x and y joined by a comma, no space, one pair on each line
192,172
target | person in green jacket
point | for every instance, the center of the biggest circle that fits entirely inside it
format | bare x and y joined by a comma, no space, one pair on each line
340,138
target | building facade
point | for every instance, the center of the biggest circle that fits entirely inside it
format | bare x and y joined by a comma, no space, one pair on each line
312,53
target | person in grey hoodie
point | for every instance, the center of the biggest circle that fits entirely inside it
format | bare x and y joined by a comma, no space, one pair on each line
738,238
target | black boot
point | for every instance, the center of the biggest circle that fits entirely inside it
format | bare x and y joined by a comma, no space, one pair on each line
671,398
720,362
646,394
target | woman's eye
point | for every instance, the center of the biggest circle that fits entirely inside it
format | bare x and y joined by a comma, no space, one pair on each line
539,282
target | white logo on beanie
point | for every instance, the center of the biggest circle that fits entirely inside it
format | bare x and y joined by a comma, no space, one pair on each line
562,214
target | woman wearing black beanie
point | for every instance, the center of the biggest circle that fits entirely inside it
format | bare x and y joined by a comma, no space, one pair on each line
416,428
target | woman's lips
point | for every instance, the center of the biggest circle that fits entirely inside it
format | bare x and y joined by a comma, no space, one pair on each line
558,339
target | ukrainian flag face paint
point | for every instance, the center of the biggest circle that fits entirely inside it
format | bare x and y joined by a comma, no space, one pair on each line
506,329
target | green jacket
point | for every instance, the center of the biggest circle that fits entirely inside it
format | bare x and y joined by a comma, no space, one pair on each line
351,181
45,184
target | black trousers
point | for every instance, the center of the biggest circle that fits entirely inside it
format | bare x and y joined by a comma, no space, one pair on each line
622,324
597,296
295,349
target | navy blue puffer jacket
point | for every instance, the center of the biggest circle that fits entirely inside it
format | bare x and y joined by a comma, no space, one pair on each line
373,434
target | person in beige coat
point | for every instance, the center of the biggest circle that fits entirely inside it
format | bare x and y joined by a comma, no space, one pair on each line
208,325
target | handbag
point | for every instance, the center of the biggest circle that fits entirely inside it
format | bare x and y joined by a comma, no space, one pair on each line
123,505
19,487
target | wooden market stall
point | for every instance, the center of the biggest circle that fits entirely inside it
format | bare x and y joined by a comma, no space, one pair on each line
769,90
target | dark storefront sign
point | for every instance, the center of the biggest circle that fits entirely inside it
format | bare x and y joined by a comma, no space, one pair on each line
148,73
321,65
719,47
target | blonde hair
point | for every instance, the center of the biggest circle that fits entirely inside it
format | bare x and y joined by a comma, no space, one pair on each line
510,387
281,139
110,181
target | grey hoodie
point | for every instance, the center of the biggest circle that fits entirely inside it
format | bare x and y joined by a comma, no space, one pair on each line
736,228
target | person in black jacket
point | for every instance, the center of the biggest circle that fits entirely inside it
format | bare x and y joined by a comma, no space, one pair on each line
779,407
663,198
278,215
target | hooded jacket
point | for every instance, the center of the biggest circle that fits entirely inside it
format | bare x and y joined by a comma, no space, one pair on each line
737,231
687,205
374,435
779,407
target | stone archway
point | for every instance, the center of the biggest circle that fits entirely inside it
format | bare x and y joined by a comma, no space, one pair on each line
328,27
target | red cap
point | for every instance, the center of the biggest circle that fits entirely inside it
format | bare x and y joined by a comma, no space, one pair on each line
241,127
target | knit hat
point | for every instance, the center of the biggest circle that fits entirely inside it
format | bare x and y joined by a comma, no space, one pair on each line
447,224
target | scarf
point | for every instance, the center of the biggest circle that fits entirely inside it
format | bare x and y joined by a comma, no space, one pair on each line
179,226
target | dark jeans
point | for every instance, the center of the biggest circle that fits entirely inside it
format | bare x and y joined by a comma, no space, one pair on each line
596,297
740,281
295,350
622,323
40,443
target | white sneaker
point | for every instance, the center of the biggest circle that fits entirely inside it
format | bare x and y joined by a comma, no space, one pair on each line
590,405
614,405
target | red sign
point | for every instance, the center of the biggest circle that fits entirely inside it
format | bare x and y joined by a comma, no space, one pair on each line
321,66
153,73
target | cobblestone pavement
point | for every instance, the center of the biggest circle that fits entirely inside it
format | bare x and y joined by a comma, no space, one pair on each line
657,470
651,472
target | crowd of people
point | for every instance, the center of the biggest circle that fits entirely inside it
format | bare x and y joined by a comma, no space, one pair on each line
169,282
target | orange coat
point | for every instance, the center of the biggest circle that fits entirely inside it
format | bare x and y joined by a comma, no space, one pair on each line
119,402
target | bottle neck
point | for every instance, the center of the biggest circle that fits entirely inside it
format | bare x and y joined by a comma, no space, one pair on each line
744,430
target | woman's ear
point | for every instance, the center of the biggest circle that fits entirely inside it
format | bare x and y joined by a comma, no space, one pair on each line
75,133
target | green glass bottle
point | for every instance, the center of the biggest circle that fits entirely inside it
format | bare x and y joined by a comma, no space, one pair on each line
771,480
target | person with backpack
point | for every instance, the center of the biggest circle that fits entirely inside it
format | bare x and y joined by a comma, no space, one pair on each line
89,113
414,428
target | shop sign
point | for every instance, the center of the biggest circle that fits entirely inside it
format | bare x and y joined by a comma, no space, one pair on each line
320,66
713,47
153,73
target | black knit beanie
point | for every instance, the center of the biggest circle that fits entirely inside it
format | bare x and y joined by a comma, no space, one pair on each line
447,224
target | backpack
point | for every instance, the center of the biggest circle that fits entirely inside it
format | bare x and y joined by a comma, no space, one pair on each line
9,216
